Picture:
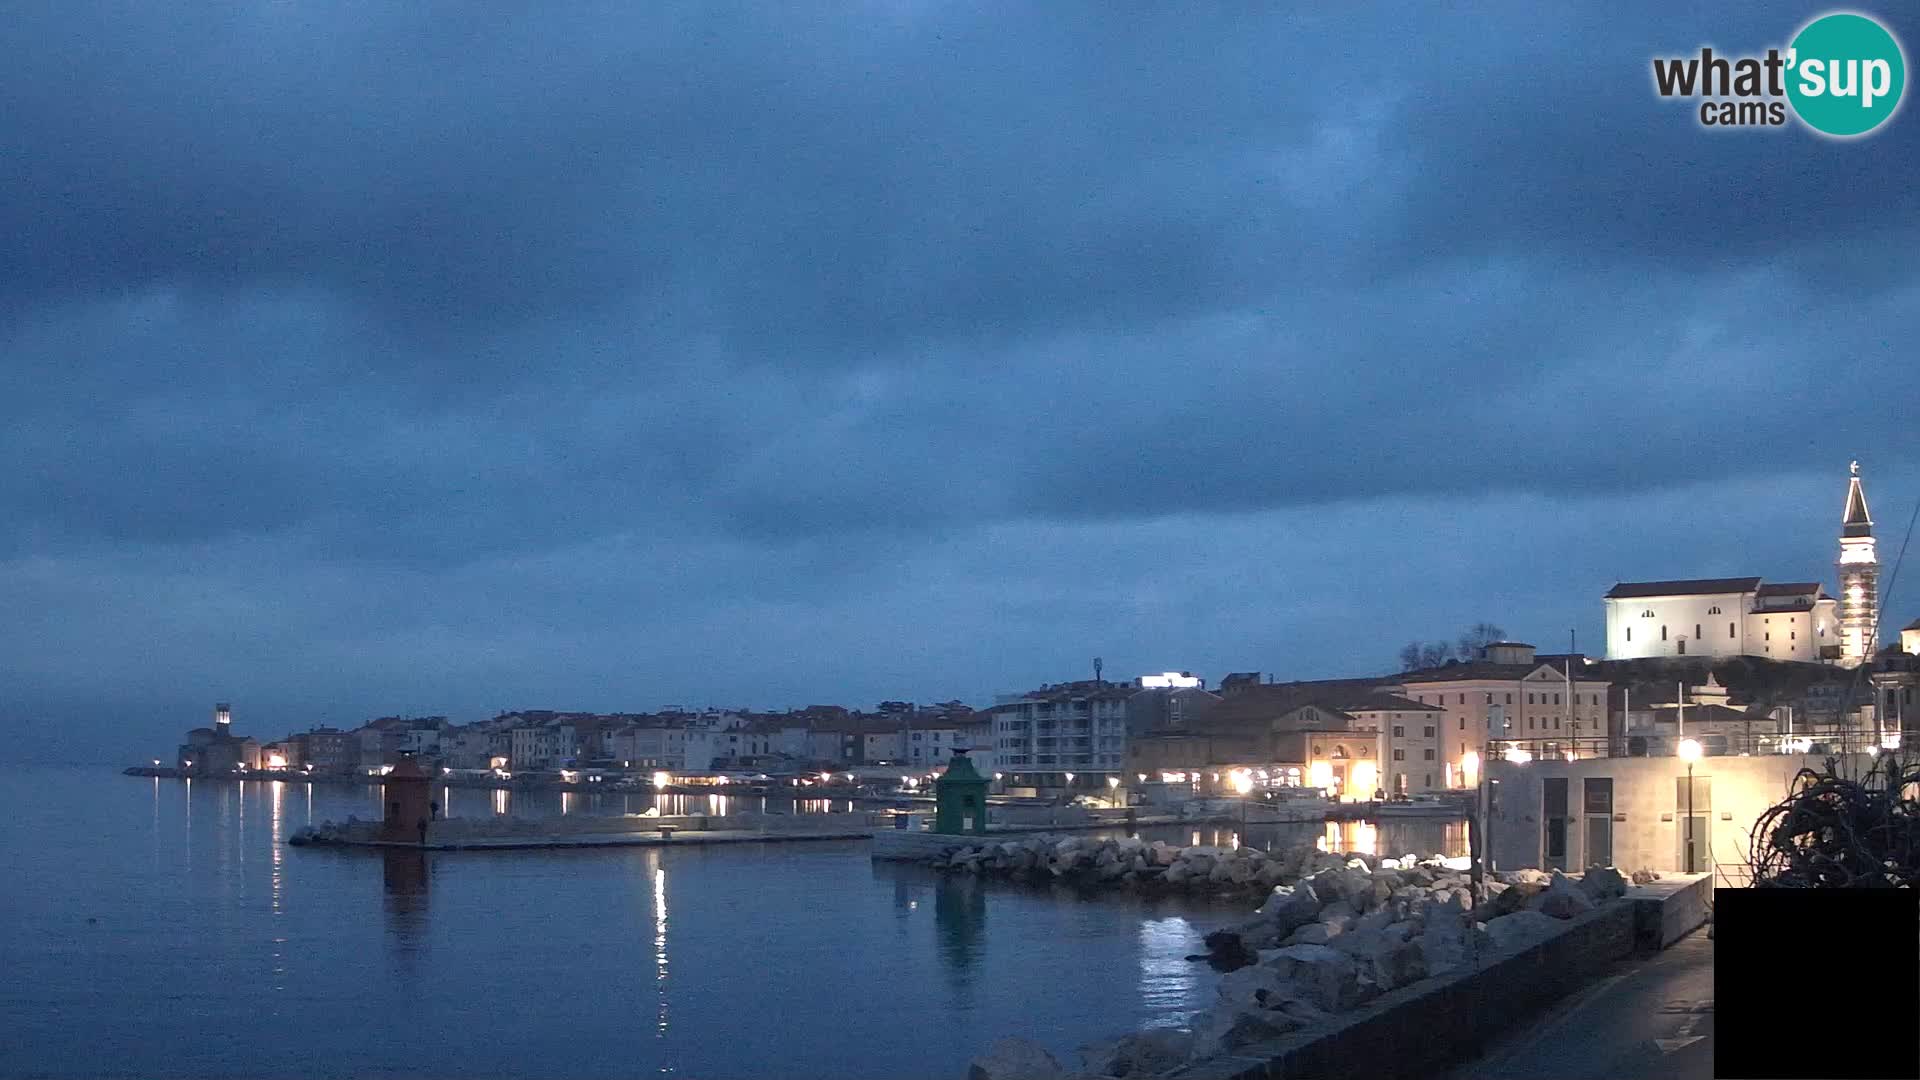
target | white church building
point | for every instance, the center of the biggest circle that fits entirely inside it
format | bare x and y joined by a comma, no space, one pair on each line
1746,616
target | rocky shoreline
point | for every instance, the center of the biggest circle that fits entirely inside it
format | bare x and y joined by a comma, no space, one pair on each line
1332,933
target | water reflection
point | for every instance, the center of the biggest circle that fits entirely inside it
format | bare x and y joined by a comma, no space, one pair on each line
659,875
1167,979
404,874
960,918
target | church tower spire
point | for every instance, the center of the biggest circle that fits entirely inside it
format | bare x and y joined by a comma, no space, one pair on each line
1859,576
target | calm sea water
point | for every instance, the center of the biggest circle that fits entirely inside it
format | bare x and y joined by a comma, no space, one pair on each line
160,928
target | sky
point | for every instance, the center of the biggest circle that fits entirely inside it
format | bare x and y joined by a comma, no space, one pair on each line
365,358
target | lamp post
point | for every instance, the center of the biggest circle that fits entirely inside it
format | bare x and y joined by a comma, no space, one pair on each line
1689,752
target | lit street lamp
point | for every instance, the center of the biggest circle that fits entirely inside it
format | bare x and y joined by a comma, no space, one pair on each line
1690,753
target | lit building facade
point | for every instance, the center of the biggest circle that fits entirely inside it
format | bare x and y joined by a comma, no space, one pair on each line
1071,735
1546,704
1859,568
1722,617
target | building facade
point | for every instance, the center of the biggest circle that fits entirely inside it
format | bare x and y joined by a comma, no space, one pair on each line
1547,705
1069,735
1722,617
1859,569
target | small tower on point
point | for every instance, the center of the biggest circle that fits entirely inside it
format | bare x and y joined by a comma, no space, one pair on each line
1859,576
222,719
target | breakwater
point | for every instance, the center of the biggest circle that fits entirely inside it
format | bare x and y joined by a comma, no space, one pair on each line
1332,933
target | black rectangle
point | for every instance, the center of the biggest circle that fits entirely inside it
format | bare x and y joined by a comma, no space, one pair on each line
1816,982
1553,796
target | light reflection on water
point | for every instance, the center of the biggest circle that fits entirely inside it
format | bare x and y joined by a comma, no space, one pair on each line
750,961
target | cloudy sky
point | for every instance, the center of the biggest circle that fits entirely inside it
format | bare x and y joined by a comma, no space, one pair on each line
363,358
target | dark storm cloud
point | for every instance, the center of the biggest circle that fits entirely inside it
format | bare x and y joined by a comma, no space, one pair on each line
858,347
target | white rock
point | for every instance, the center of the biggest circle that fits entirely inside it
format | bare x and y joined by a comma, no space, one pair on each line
1143,1053
1602,883
1242,988
1015,1058
1222,1031
1464,862
1520,929
1561,899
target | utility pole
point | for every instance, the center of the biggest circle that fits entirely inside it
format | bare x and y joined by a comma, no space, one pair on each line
1573,725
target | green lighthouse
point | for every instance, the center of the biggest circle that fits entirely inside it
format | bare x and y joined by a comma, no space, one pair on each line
960,798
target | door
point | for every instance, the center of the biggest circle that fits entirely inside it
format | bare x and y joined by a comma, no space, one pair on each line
1598,804
1553,813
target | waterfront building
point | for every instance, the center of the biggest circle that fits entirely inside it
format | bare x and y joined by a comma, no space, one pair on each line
541,746
1167,701
655,745
1550,704
1638,812
1062,736
1267,736
1910,638
216,750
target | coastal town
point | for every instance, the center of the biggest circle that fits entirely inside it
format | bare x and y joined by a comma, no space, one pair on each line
1731,667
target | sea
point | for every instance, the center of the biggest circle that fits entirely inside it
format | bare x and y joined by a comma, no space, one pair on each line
164,928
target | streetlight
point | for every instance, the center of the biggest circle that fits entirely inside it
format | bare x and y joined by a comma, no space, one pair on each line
1689,752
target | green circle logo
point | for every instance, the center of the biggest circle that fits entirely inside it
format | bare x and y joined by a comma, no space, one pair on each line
1845,74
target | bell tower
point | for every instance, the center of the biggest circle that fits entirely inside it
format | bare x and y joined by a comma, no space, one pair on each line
1859,576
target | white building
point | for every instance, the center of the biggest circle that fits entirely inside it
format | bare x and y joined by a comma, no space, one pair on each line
1745,617
1073,735
547,746
1722,617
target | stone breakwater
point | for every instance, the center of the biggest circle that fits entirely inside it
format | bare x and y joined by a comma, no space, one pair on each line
1341,931
1134,863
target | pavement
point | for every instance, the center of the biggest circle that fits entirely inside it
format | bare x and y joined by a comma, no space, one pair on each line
1650,1016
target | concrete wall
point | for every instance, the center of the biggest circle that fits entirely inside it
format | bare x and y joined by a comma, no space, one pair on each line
1649,807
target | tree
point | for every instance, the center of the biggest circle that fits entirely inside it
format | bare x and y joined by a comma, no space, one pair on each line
1410,656
1478,637
1435,653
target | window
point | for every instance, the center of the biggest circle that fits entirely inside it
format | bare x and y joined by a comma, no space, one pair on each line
1399,731
1316,751
1729,629
1768,636
1489,697
1629,633
1697,635
1556,699
1793,635
1399,755
1429,779
1428,754
1647,614
1663,631
1556,723
1714,610
1429,731
1529,699
1463,723
1529,723
1463,699
1509,699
